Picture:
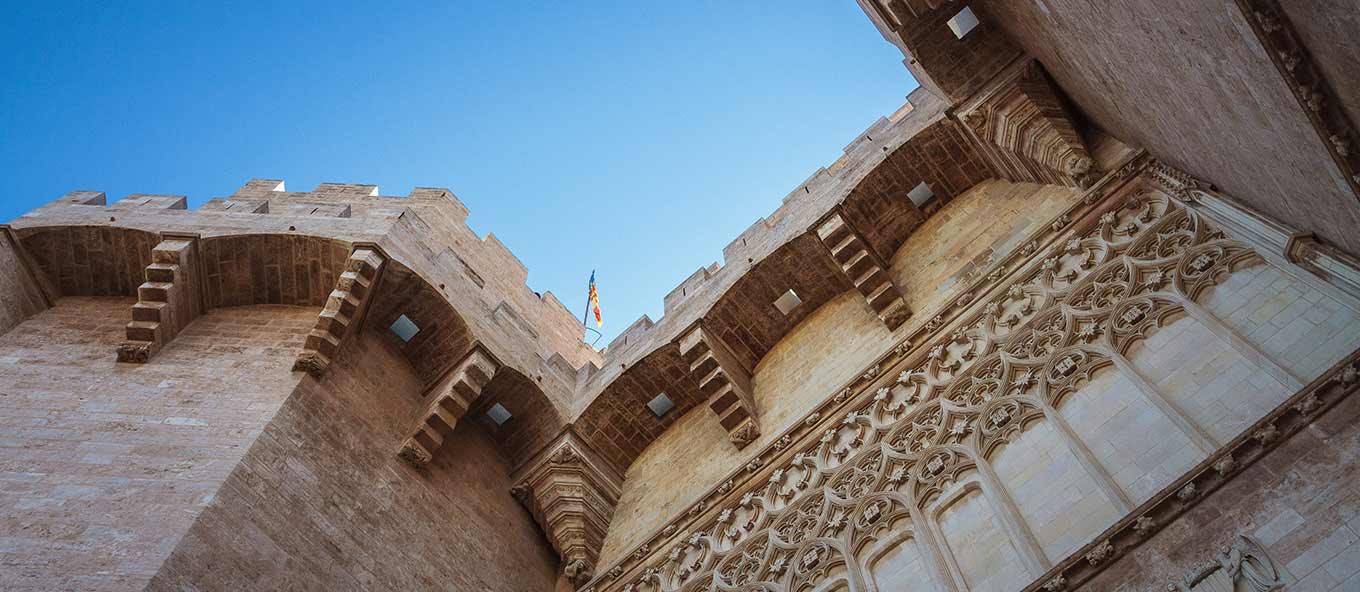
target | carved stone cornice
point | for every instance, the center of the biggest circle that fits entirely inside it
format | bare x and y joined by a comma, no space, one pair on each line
1327,262
1080,217
1316,97
571,493
1022,113
1327,268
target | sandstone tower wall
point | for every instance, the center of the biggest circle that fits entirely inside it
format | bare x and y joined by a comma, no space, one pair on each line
1084,314
323,465
106,467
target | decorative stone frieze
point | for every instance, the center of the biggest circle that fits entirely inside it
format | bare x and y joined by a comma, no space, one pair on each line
724,381
572,493
1022,113
449,400
1325,267
788,462
1315,94
864,268
911,429
167,302
344,310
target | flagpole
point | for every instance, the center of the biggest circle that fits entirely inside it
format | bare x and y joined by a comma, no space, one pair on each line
585,317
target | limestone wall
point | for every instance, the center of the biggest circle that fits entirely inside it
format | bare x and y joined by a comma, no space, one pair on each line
1114,364
320,502
19,297
1299,503
106,465
830,347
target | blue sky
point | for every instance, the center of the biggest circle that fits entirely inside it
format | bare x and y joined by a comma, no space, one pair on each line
635,138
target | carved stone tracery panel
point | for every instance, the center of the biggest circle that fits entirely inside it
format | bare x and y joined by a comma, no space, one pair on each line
873,474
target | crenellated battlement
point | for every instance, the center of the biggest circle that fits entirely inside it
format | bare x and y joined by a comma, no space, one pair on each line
800,209
424,232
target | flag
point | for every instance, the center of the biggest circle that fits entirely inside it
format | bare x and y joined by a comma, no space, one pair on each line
595,302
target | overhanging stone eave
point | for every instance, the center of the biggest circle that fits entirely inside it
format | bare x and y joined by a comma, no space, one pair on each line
1121,180
801,221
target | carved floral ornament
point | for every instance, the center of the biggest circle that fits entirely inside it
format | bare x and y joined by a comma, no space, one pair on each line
875,474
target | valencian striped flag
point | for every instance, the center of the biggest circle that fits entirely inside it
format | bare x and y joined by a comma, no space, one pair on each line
595,302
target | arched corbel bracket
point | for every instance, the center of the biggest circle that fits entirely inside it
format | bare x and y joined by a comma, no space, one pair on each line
345,309
168,301
1021,114
572,493
864,268
447,403
724,380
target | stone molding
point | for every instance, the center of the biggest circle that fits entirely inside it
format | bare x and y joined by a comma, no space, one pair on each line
345,309
1295,414
1022,113
169,299
1082,214
1132,265
449,401
724,380
1324,267
1327,262
571,493
1305,79
864,268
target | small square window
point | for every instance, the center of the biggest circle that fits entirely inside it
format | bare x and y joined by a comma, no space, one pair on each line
404,328
921,194
963,22
660,404
498,414
788,302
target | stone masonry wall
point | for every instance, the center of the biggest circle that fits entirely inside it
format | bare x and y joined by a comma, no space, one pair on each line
106,465
1200,92
989,221
19,297
830,347
1102,399
321,502
1300,501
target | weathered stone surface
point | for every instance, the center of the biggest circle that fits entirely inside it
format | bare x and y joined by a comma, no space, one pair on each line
992,347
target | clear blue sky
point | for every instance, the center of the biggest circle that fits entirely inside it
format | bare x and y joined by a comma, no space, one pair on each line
636,138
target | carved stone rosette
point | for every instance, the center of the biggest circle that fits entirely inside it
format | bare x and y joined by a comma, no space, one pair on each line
1021,113
571,493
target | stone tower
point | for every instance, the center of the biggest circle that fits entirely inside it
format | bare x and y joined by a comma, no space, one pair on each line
1061,322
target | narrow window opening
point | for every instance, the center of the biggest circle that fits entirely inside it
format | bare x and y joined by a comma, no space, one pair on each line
963,22
788,302
404,328
660,404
